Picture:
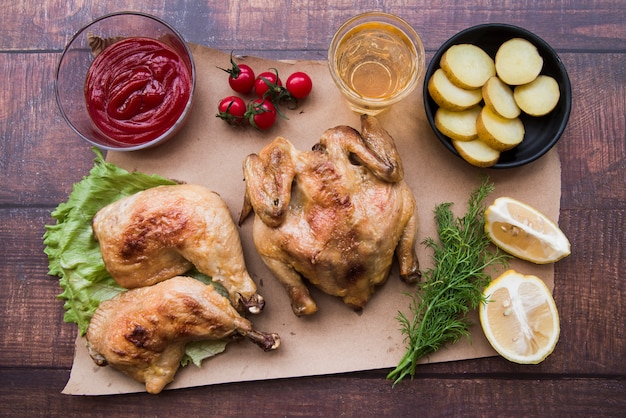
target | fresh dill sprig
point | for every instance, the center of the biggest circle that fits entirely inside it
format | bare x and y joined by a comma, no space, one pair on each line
452,286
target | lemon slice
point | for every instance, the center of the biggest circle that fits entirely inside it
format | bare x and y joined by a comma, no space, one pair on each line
524,232
520,319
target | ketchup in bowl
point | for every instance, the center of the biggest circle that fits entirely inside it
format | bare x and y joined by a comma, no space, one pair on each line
136,89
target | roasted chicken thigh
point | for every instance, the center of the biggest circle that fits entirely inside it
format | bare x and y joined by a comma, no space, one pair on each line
335,215
143,332
164,231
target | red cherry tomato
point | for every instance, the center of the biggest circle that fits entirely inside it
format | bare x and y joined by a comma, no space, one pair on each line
232,109
241,78
243,81
299,85
268,84
261,114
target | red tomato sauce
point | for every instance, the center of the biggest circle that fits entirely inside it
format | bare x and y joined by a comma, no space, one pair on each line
136,89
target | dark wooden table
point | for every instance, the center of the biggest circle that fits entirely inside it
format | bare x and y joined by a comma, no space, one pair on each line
40,159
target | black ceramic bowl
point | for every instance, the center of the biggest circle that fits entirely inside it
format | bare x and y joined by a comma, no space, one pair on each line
541,132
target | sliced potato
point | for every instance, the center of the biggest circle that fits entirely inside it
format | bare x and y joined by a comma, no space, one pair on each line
518,62
499,97
499,133
476,152
539,97
467,66
450,96
459,125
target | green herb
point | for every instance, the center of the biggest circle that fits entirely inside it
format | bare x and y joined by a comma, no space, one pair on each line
452,286
74,255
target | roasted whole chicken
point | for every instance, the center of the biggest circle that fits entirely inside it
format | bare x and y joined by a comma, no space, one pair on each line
164,231
143,332
335,215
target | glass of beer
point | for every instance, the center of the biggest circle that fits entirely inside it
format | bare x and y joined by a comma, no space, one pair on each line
376,59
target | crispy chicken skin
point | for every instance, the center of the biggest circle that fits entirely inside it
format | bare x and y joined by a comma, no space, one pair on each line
162,232
142,332
335,215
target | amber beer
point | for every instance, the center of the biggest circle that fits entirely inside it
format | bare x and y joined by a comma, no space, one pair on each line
375,60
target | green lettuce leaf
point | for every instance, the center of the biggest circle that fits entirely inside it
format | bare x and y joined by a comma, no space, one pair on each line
197,351
74,255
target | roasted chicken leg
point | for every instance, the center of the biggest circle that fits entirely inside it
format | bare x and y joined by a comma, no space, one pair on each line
334,215
162,232
142,332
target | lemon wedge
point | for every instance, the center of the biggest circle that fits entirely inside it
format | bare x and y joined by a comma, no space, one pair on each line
520,319
524,232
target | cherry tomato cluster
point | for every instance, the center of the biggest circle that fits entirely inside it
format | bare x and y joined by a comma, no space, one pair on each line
269,92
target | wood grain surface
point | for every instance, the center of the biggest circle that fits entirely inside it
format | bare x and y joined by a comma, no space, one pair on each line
41,158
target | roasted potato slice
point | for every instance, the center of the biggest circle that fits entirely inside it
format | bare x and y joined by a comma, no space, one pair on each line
498,96
476,152
539,97
459,125
467,66
450,96
518,62
499,133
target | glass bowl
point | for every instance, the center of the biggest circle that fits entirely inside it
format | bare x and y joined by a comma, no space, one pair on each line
77,58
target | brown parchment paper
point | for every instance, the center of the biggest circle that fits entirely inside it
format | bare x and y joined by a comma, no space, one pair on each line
336,339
